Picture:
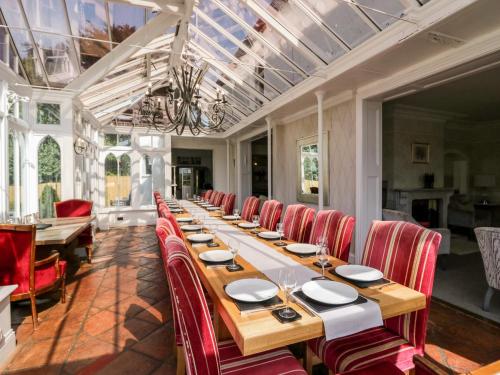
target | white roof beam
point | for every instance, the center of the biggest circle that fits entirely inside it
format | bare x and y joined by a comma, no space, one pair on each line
170,6
154,28
250,30
287,34
181,36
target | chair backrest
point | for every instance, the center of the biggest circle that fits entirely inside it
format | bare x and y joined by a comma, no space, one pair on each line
17,254
206,195
228,203
270,214
336,228
163,209
174,227
406,253
213,196
218,199
488,240
297,222
250,208
73,208
198,336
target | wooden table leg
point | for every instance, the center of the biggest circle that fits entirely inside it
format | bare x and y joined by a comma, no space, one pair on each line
221,331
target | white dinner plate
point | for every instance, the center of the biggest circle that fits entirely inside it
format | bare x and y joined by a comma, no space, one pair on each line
329,292
213,208
301,248
229,217
248,225
197,201
200,237
359,273
269,235
191,227
176,210
216,256
184,219
251,290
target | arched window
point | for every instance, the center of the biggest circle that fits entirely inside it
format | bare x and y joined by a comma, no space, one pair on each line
117,180
49,176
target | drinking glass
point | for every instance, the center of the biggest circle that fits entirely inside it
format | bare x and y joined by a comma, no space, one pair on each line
322,254
236,213
255,221
234,247
212,229
280,228
287,283
222,210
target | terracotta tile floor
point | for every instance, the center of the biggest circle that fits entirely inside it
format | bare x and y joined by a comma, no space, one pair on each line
118,319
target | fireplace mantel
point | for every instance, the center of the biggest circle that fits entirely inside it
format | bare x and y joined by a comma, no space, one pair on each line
405,198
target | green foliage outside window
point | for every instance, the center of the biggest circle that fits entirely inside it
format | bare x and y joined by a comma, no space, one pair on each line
48,113
49,176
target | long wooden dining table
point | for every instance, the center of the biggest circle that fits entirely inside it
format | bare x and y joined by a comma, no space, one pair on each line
256,332
64,230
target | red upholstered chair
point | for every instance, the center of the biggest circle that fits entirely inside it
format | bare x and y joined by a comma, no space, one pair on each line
270,214
174,224
78,208
206,195
427,366
218,199
19,266
405,253
380,368
163,209
337,228
250,208
202,354
228,203
297,222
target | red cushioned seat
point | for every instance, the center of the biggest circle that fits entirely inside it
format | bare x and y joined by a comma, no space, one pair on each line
250,208
337,229
270,214
297,222
228,203
272,362
405,253
201,352
381,368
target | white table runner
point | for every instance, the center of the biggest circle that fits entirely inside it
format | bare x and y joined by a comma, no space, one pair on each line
339,322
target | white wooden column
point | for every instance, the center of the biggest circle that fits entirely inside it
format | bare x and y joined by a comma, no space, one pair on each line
228,166
320,95
269,159
4,156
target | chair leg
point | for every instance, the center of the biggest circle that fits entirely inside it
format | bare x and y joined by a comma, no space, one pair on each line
308,365
181,363
34,313
89,249
63,289
487,298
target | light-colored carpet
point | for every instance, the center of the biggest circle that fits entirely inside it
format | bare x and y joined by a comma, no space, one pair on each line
461,245
463,284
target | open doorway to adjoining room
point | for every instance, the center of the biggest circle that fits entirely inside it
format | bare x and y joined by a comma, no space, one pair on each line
259,167
193,172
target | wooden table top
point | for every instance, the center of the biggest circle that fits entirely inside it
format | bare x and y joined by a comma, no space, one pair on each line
63,230
259,331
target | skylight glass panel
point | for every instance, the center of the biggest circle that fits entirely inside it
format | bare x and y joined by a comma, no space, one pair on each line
303,28
47,15
88,19
271,35
383,12
341,19
261,49
27,52
125,20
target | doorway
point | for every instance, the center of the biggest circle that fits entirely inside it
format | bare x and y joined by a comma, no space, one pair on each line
193,172
259,167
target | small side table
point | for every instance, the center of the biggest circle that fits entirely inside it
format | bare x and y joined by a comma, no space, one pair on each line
7,334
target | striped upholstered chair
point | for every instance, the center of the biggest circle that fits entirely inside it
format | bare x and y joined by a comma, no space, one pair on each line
337,229
213,197
250,208
202,353
228,203
297,222
206,195
270,214
218,199
173,223
405,253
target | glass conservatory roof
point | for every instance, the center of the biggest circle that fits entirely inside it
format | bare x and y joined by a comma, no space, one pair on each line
255,49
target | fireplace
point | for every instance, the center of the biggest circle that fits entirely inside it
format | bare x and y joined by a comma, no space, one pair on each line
427,206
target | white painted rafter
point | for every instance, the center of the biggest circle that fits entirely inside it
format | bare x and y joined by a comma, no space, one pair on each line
181,34
170,6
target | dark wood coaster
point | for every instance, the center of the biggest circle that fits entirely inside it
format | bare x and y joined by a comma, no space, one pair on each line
213,244
276,314
327,265
236,269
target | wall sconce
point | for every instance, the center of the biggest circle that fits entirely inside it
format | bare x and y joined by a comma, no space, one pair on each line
80,146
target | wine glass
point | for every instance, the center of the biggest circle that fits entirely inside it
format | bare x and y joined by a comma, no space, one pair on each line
255,221
322,255
212,229
280,228
287,283
236,213
234,247
222,209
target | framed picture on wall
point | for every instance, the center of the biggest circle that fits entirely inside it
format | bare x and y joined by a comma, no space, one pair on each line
308,168
420,153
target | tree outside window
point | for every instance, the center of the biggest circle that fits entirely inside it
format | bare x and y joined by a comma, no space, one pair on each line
49,176
48,113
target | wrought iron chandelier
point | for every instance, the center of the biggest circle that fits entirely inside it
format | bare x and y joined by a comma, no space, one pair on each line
183,106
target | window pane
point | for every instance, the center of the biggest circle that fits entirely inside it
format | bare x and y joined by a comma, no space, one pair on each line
12,187
309,169
146,181
111,179
110,139
385,9
125,20
124,181
158,174
48,113
124,140
49,176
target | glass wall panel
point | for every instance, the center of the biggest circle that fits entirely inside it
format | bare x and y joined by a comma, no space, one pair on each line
110,179
125,180
49,176
387,9
12,186
117,180
125,20
146,183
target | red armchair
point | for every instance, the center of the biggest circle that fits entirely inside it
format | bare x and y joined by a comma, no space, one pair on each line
297,222
270,214
78,208
19,266
337,229
406,253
